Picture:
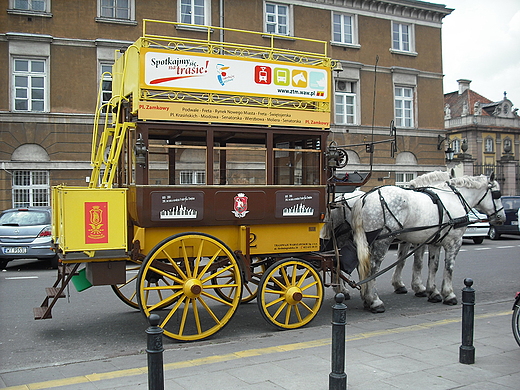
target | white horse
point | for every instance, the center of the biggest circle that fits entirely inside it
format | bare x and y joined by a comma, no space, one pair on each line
436,216
431,179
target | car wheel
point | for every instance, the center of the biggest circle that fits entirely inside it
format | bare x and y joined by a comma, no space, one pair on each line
3,264
478,240
493,234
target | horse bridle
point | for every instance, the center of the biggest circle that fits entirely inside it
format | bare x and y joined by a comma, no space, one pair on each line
495,194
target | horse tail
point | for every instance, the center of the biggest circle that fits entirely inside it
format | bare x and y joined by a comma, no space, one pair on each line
360,240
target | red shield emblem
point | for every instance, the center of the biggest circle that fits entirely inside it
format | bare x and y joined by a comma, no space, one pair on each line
240,205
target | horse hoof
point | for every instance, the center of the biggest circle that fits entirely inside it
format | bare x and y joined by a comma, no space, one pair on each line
377,309
435,299
451,301
401,290
421,294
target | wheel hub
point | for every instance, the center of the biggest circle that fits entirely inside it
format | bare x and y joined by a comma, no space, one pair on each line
293,295
192,288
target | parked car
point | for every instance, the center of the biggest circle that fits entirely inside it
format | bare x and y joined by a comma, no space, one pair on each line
511,205
25,233
479,228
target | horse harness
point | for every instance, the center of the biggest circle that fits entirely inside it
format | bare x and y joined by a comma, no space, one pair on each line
436,237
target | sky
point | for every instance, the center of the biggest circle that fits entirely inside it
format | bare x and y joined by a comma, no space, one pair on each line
481,42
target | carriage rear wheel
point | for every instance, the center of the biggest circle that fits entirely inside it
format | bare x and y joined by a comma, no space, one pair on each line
290,293
250,288
126,291
184,271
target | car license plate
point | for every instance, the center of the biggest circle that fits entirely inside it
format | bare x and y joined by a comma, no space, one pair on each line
514,222
15,250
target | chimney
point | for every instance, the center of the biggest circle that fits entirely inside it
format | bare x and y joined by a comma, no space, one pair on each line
463,85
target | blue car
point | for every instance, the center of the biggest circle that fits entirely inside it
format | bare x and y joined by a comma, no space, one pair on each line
511,205
25,233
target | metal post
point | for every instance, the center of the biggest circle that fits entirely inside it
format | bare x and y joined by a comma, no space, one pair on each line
467,350
155,354
338,377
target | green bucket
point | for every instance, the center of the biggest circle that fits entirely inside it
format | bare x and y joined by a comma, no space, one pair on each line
80,280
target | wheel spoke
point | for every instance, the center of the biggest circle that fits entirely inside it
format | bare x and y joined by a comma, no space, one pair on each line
280,309
186,260
173,311
216,273
302,278
166,274
196,315
293,279
175,266
278,300
288,315
203,303
218,299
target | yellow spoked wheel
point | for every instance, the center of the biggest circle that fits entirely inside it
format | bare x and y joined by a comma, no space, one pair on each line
181,271
290,293
250,288
126,291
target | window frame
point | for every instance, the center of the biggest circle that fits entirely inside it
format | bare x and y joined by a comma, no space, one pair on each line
206,8
104,77
343,95
353,26
289,24
46,12
131,13
30,74
411,38
31,189
404,175
489,141
404,99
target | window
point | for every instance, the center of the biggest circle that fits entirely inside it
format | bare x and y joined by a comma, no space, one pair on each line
342,28
402,179
345,102
277,19
30,188
403,107
194,12
106,84
489,145
193,177
402,37
31,5
455,145
29,83
116,9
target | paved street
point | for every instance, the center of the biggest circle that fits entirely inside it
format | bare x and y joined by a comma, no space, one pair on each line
412,341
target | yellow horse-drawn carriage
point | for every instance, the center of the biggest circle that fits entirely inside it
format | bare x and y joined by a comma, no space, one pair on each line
210,184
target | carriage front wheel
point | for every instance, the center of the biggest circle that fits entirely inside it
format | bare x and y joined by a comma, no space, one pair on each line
290,293
178,276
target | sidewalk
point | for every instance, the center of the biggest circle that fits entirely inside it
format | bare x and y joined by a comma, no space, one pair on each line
406,352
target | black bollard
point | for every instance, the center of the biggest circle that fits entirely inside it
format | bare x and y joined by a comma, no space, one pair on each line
155,354
338,377
467,350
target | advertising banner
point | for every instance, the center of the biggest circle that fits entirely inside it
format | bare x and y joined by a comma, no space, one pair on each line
193,112
183,71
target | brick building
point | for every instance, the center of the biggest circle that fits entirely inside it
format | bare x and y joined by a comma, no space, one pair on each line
56,52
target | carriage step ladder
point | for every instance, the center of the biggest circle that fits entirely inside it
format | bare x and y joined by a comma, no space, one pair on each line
65,274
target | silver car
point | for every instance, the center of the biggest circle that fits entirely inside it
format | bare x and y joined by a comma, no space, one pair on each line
479,227
25,233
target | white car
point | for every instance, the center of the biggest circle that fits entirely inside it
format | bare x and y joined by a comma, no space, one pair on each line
479,227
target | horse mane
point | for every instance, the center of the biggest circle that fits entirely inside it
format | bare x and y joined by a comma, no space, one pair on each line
429,179
476,182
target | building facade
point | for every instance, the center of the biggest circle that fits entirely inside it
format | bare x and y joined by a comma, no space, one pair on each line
57,62
484,135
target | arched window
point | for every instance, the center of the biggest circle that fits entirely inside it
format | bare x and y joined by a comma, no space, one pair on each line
30,187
